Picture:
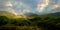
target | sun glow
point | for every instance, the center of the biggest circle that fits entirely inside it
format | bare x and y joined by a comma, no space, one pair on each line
17,16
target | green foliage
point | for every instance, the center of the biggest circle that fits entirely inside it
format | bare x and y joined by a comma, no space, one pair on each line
3,20
45,21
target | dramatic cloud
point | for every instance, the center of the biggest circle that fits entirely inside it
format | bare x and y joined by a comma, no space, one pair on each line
9,6
41,6
21,7
55,6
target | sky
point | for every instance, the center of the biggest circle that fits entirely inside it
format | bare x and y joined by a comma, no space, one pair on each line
21,7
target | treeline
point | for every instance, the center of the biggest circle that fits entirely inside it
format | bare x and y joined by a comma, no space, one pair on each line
46,22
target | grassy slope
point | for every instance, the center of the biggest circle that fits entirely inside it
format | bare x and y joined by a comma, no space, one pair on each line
8,14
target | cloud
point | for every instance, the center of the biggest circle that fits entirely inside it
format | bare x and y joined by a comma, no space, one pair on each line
19,7
41,6
55,6
8,4
52,6
12,11
2,5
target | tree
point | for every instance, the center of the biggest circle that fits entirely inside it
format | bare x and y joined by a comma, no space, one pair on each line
3,20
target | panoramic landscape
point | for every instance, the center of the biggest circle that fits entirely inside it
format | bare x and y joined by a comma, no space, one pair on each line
29,14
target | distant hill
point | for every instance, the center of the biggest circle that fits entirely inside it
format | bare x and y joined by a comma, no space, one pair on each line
8,14
52,14
57,14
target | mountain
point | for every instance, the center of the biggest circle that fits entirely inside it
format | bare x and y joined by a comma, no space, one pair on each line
57,14
8,14
48,14
52,14
31,14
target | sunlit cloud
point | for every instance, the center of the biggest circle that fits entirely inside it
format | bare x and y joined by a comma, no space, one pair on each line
40,7
9,8
8,4
55,6
12,11
21,7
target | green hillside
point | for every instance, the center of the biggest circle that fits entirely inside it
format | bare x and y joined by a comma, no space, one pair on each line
53,14
42,22
7,14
